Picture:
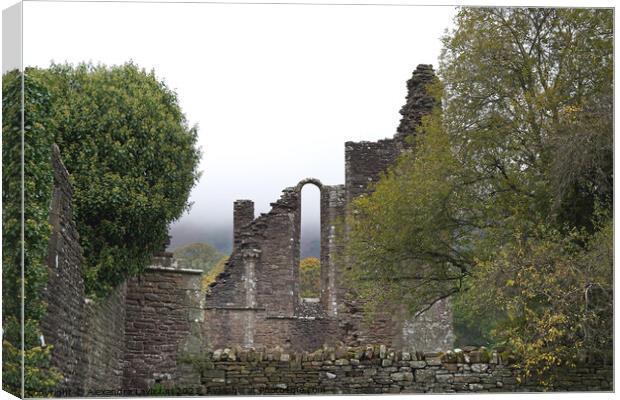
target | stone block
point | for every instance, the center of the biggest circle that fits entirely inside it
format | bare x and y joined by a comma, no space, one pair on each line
466,379
433,361
370,371
424,375
402,376
445,378
382,351
479,368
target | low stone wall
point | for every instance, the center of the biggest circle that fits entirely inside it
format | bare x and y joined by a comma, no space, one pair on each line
372,370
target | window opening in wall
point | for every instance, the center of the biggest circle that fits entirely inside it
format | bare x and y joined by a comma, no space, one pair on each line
310,244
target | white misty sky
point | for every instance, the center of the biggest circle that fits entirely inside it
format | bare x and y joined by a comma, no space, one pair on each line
276,90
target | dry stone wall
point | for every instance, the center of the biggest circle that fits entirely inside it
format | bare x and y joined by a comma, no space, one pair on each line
373,370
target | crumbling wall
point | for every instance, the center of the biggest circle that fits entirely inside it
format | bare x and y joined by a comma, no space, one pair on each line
255,301
333,205
365,162
419,102
374,370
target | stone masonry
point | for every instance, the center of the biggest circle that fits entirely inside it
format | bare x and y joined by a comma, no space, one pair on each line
256,301
163,319
64,294
374,370
131,338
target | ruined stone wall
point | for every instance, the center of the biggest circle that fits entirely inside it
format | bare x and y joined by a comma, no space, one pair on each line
163,321
243,215
374,369
419,101
297,333
131,338
333,205
88,336
62,324
255,301
365,162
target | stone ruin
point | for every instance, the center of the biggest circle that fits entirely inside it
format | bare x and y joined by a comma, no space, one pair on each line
253,333
256,301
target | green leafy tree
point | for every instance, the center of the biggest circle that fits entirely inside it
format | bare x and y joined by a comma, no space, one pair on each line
198,256
132,158
555,296
491,183
39,376
310,277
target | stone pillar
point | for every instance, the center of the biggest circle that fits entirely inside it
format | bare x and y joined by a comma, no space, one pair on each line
250,257
243,214
332,218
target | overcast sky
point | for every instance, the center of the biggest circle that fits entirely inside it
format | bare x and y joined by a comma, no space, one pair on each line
276,90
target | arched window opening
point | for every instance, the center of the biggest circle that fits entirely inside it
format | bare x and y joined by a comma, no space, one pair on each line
310,243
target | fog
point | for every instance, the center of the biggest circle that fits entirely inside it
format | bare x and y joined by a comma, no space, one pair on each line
275,90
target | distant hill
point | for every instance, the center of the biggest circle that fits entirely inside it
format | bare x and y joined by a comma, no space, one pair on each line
220,238
186,233
311,247
198,256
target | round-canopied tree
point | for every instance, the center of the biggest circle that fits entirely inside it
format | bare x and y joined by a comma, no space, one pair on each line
132,158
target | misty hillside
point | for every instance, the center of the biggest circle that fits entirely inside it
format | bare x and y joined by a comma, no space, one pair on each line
311,247
198,256
221,239
186,233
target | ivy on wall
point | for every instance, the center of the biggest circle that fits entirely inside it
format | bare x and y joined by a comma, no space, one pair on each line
39,376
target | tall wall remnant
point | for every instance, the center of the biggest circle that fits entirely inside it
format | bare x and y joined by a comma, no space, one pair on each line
132,338
64,293
256,301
